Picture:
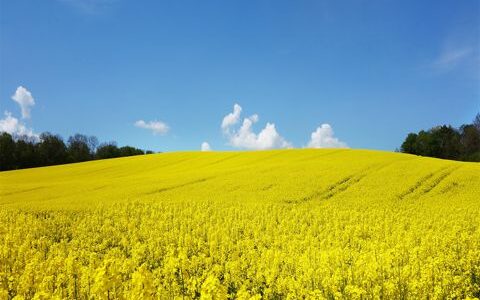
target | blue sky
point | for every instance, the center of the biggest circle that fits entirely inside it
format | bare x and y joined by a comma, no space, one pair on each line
372,70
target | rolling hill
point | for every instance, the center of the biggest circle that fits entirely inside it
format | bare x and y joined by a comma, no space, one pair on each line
305,223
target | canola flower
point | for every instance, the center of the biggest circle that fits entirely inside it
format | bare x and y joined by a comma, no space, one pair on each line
289,224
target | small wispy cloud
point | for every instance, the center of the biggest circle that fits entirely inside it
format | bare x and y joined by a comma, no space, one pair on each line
157,127
450,57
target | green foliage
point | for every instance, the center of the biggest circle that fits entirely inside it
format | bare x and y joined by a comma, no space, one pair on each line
446,142
51,150
7,150
25,154
19,152
470,139
107,150
130,151
78,148
410,144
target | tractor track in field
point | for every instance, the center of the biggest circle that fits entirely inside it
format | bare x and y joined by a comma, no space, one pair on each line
343,184
218,161
174,187
188,183
428,182
338,187
346,183
23,191
322,155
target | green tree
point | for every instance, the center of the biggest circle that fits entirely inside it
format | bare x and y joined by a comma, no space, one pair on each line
51,150
26,156
130,151
470,140
107,150
7,152
78,148
424,144
410,144
446,142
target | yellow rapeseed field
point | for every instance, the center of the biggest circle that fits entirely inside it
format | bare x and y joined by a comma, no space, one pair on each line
286,224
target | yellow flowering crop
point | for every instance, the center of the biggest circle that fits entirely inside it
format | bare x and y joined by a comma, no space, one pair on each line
287,224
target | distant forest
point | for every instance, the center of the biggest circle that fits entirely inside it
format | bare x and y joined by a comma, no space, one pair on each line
446,142
19,152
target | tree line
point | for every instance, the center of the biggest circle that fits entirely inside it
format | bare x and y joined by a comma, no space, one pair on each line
19,152
446,142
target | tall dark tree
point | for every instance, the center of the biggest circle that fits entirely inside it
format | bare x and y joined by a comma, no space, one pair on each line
410,144
470,140
424,144
445,142
78,148
51,150
107,150
92,144
7,152
25,153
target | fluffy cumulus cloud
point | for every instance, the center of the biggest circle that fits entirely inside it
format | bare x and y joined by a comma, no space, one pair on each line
244,137
157,127
24,98
15,127
232,118
324,137
206,147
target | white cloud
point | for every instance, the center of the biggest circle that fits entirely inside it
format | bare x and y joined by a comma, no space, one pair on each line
232,118
157,127
244,137
15,127
24,98
323,137
206,147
